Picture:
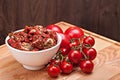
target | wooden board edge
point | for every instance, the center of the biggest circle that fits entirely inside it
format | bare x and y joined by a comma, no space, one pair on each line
2,46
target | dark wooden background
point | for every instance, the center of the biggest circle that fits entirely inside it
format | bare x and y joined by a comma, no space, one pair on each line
99,16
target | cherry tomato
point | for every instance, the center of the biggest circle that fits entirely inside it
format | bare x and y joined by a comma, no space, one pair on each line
75,44
89,41
75,56
87,66
74,32
55,28
90,53
53,71
66,67
64,51
65,41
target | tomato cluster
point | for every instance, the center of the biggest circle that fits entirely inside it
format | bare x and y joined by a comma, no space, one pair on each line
76,50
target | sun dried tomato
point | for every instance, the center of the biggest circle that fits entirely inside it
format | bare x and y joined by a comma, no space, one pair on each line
33,38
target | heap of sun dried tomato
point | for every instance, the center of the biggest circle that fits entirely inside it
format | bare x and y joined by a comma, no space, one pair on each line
33,38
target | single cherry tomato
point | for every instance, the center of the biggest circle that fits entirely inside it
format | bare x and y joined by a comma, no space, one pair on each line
65,41
53,70
64,51
74,32
91,53
55,28
87,66
66,67
74,44
75,56
89,41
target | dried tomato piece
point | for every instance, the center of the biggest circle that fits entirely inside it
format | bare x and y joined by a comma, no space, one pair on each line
32,31
27,29
26,46
38,43
16,45
11,41
35,37
48,42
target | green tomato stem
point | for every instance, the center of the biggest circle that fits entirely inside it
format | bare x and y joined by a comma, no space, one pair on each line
86,58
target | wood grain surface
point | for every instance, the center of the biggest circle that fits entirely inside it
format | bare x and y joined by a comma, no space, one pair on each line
107,63
99,16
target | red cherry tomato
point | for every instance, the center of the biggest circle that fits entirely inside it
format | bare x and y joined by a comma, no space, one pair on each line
87,66
66,67
53,71
91,53
75,56
75,44
65,41
55,28
89,41
64,51
74,32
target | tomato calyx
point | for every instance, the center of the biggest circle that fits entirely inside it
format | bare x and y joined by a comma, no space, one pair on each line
86,46
74,43
59,56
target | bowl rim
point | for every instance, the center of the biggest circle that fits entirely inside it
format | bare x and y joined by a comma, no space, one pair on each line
34,52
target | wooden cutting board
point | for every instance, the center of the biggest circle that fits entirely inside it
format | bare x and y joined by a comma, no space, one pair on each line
107,63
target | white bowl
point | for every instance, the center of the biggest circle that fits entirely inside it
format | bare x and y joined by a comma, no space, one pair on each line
34,60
